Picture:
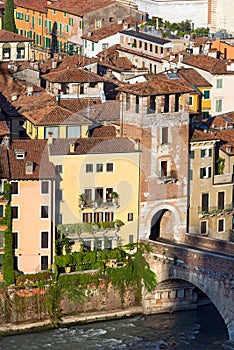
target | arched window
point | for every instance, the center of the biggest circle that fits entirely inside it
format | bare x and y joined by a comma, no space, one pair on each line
20,51
6,51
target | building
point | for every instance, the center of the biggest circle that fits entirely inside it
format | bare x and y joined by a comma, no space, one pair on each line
156,112
14,47
97,184
211,188
32,182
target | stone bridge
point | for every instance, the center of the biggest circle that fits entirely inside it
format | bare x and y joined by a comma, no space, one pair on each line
181,269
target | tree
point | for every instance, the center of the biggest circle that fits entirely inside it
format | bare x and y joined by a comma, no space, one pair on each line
9,19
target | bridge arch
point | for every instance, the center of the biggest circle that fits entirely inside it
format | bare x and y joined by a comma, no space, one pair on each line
217,291
165,222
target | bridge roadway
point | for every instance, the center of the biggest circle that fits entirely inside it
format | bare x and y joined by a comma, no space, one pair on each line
210,270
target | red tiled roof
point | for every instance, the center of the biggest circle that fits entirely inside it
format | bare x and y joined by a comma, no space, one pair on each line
93,145
223,121
159,84
193,77
6,36
103,131
79,104
207,63
72,75
199,135
108,111
37,100
79,7
4,130
36,5
4,165
227,138
36,151
55,115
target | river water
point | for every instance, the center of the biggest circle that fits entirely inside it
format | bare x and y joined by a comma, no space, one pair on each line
201,329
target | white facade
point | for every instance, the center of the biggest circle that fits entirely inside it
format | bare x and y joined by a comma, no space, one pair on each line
91,49
177,10
222,16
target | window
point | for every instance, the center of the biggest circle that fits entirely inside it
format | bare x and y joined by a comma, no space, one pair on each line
161,50
1,239
130,216
219,83
87,217
98,23
73,131
156,49
130,238
98,195
205,202
64,14
190,100
205,115
89,168
218,106
2,186
70,21
206,94
44,187
205,173
58,169
137,104
92,46
99,168
109,191
14,212
165,135
111,19
44,239
109,216
191,174
205,153
39,21
1,210
220,225
220,200
15,240
44,262
109,167
54,12
67,28
151,47
98,217
88,195
145,46
44,212
203,227
164,168
81,25
191,154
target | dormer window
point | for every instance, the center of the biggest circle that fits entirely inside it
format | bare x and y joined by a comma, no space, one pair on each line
19,154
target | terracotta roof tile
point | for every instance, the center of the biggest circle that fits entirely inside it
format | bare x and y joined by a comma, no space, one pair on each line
108,111
199,135
207,63
72,75
79,104
55,115
36,151
193,77
222,121
4,165
4,130
79,7
105,131
6,36
159,84
32,4
93,145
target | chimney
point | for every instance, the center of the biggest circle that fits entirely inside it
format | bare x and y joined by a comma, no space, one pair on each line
137,145
89,33
29,168
120,20
72,147
29,90
14,97
50,138
54,64
6,141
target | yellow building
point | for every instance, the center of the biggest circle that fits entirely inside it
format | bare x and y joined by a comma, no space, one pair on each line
200,99
211,189
55,122
98,182
32,205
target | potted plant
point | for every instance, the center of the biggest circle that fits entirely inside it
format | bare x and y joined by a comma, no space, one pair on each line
82,200
114,196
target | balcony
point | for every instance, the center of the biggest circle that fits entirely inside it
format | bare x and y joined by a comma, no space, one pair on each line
99,205
215,210
223,179
171,177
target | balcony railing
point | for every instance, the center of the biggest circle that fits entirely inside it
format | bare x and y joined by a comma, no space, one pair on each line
172,177
99,204
215,210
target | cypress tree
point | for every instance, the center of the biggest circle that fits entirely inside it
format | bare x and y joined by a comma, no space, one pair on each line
9,19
